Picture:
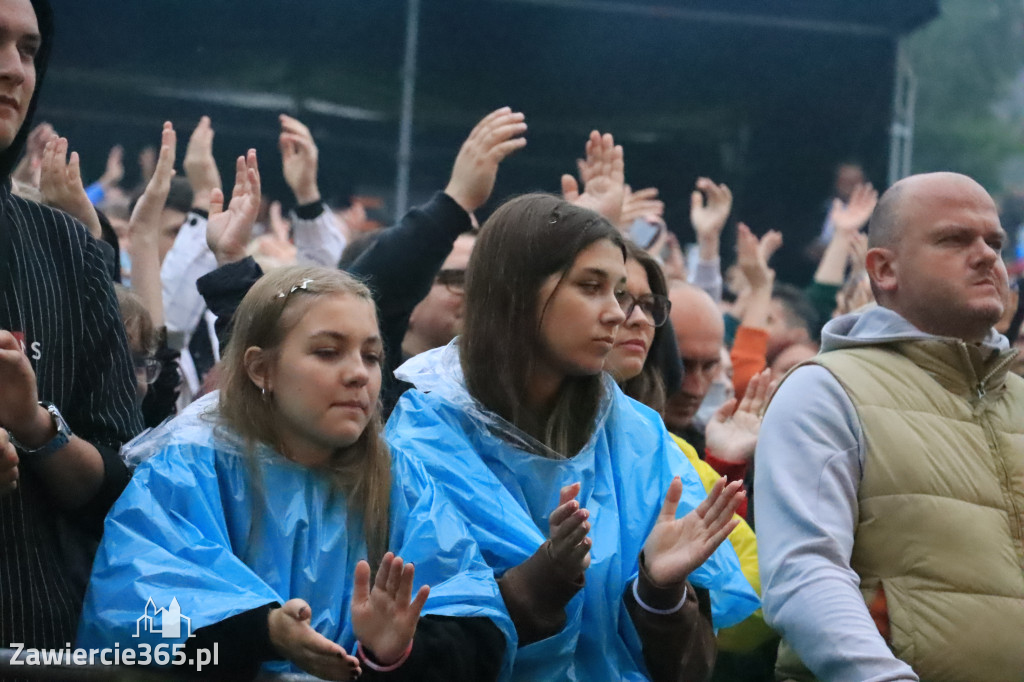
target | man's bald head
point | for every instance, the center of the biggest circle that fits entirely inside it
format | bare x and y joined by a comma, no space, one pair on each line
700,331
693,309
884,226
934,255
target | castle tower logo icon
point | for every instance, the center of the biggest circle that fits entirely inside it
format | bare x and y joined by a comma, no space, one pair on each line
164,622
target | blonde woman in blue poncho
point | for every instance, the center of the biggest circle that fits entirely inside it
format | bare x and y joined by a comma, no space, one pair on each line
605,546
259,512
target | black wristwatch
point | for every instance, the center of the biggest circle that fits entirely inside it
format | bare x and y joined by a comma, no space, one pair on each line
56,443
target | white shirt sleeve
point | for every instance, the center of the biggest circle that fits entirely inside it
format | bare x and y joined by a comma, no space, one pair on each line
708,276
808,469
189,259
319,241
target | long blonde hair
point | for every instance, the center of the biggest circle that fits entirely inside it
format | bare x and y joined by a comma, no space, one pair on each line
362,471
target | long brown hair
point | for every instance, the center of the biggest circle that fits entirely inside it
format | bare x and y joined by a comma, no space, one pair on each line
648,387
362,471
524,242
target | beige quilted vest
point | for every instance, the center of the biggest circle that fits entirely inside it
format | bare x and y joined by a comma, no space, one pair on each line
941,503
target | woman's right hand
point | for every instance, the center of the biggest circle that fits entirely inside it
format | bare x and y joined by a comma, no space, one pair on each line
568,544
296,640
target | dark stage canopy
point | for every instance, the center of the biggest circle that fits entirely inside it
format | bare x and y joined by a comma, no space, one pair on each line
764,95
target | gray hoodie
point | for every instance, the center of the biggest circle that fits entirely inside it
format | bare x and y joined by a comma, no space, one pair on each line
809,464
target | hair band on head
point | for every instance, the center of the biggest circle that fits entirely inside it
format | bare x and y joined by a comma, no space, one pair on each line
304,285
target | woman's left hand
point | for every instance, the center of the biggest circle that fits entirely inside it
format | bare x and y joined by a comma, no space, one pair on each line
676,547
384,619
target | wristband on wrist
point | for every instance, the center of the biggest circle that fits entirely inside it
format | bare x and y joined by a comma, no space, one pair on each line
365,658
651,609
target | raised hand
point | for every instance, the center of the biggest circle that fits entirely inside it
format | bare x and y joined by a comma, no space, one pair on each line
145,219
144,227
604,184
769,243
710,205
28,169
849,218
384,619
858,253
299,159
751,259
569,546
200,166
496,136
677,547
228,231
296,640
60,181
8,464
732,434
643,202
114,171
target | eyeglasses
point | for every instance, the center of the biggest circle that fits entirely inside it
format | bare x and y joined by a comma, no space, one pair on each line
453,280
147,369
655,307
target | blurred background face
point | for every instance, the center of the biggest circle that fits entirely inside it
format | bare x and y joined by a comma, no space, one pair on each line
847,178
437,319
171,221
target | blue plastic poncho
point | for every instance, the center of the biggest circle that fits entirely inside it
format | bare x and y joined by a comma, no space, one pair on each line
185,529
488,470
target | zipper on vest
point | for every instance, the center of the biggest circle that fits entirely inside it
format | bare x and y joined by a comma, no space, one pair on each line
1007,480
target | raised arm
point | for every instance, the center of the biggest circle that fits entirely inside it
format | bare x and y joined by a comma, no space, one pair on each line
144,228
60,182
318,235
710,206
603,175
674,626
537,590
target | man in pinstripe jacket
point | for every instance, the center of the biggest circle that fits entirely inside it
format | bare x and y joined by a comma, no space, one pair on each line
66,378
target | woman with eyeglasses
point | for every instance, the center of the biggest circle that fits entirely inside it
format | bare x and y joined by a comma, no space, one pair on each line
254,518
633,362
607,551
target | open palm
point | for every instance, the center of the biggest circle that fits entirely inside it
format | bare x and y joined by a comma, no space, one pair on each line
677,547
228,231
384,618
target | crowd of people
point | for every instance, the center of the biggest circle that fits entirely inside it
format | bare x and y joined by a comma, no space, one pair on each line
550,446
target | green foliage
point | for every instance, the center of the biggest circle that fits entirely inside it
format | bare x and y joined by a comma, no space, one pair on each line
966,61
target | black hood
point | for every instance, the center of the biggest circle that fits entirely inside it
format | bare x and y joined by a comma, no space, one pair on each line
44,16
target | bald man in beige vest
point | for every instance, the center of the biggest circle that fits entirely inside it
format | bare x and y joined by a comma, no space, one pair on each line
890,470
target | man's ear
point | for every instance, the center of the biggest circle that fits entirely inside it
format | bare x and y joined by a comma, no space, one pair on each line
258,366
882,268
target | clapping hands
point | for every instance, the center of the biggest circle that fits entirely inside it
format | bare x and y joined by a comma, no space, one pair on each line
678,546
384,618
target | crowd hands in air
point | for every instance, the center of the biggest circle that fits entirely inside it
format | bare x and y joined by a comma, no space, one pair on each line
385,607
698,351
